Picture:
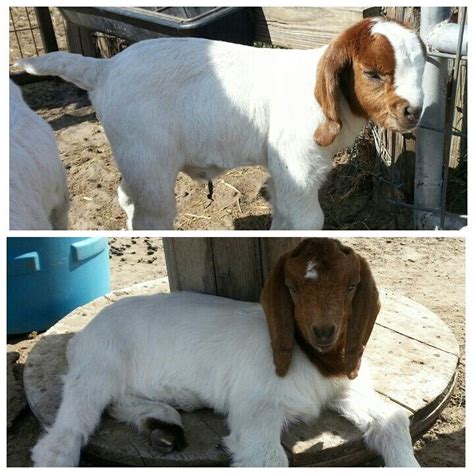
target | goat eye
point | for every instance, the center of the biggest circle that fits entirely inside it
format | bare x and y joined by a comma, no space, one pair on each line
373,75
352,287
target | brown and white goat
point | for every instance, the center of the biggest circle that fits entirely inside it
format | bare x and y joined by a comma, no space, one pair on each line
203,107
263,366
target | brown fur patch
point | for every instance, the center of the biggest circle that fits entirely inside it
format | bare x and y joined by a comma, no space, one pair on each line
278,307
343,69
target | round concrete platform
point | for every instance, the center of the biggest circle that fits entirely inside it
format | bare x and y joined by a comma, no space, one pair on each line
413,354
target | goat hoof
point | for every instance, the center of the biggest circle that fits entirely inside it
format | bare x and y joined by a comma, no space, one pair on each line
163,441
165,437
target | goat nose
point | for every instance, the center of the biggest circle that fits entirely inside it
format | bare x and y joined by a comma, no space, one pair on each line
412,113
324,333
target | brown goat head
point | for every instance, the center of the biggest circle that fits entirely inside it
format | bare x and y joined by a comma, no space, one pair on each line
377,65
323,296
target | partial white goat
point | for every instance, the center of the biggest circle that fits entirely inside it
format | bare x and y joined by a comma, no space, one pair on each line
263,366
39,197
203,107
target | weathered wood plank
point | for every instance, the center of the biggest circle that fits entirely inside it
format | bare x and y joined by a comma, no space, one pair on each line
230,267
305,27
401,171
79,40
237,268
410,15
459,144
415,321
190,265
202,450
326,440
408,371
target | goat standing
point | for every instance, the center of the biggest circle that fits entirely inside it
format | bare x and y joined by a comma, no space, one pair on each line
203,107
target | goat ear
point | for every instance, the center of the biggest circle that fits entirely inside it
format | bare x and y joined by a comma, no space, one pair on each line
278,307
335,59
365,308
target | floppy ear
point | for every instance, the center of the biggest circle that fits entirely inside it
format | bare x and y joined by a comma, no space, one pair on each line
365,308
278,307
335,59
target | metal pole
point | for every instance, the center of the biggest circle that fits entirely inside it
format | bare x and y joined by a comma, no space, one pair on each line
46,29
445,37
429,143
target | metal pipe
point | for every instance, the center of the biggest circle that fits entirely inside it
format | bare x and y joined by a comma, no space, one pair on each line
444,37
429,143
437,54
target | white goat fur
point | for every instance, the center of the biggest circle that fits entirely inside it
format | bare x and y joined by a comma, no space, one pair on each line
39,198
147,356
203,107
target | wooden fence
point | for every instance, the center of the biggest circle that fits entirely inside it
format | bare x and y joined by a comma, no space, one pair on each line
234,267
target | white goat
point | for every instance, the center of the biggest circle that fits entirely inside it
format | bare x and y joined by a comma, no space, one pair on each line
146,357
39,197
203,107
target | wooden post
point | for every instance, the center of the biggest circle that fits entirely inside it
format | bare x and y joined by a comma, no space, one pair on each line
459,144
46,29
402,149
232,267
79,40
190,264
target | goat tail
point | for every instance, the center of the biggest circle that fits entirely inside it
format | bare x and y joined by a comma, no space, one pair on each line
75,68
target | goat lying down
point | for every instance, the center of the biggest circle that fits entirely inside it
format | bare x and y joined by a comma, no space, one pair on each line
39,197
203,107
263,366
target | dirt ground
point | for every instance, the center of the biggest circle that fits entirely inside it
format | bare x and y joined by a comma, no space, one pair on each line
428,270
